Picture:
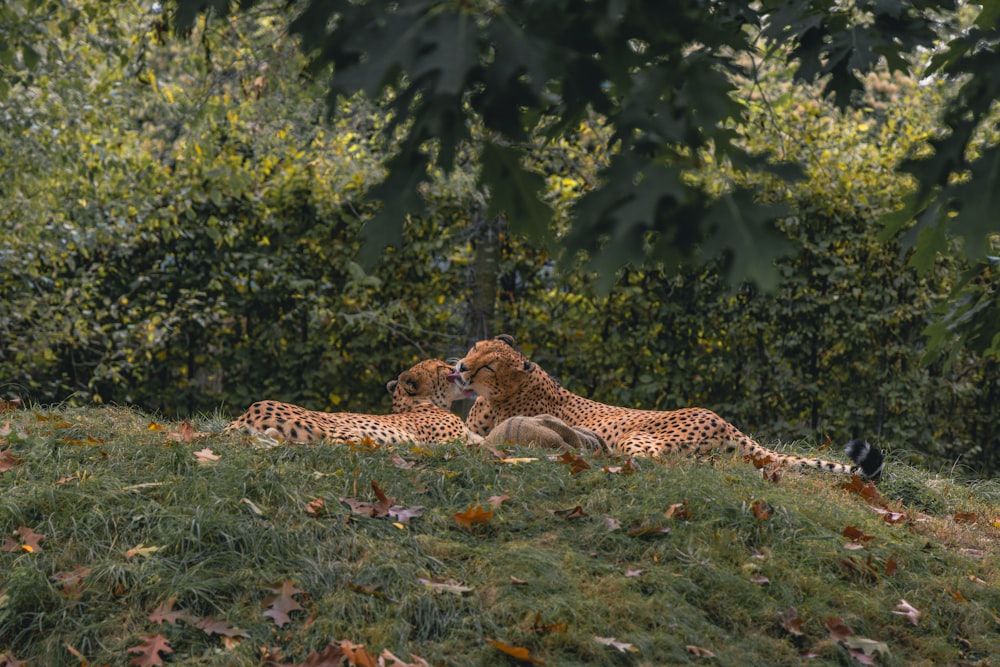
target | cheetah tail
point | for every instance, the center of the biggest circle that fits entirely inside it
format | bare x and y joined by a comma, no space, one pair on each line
869,459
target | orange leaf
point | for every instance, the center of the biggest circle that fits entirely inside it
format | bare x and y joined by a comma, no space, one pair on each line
891,567
856,534
153,426
699,652
518,652
475,514
835,626
8,460
576,463
761,510
314,507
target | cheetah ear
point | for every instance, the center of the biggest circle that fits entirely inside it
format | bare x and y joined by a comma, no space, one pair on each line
528,366
409,384
506,338
391,386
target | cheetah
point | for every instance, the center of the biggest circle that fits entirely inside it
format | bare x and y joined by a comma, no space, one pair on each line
421,397
508,384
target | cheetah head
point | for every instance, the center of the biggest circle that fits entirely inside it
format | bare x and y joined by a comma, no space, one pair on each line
427,382
493,369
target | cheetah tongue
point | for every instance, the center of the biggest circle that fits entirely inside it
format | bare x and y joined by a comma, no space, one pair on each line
454,377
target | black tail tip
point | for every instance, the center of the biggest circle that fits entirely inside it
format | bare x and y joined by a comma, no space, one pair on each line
868,458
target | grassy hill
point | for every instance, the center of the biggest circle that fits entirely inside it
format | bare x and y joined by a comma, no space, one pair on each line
127,541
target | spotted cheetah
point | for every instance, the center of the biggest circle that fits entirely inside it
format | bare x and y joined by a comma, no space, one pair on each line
509,384
420,400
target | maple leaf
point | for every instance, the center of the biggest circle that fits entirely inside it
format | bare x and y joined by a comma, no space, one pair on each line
576,463
212,627
518,652
150,650
29,541
281,604
165,614
8,460
904,608
206,456
475,514
622,647
791,622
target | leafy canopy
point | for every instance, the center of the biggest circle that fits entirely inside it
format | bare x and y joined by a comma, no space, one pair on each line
660,73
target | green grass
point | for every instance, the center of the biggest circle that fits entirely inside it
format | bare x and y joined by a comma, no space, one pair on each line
742,551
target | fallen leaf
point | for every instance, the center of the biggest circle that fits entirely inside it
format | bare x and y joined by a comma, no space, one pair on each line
835,626
518,652
856,535
540,628
576,463
966,517
891,567
612,524
206,456
141,550
791,622
29,541
213,627
445,587
496,501
475,514
72,580
8,460
633,573
253,506
911,613
165,614
649,531
623,647
10,406
8,660
400,462
281,604
678,511
66,480
699,652
759,579
315,507
761,510
515,459
153,426
889,516
391,660
150,650
517,582
571,513
185,433
331,656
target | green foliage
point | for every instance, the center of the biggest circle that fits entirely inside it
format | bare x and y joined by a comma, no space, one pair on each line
132,522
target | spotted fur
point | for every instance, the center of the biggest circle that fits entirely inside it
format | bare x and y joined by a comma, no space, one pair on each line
420,400
508,384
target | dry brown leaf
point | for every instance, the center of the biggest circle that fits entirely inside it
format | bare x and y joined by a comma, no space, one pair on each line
699,652
622,647
911,613
281,603
150,650
791,622
206,456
